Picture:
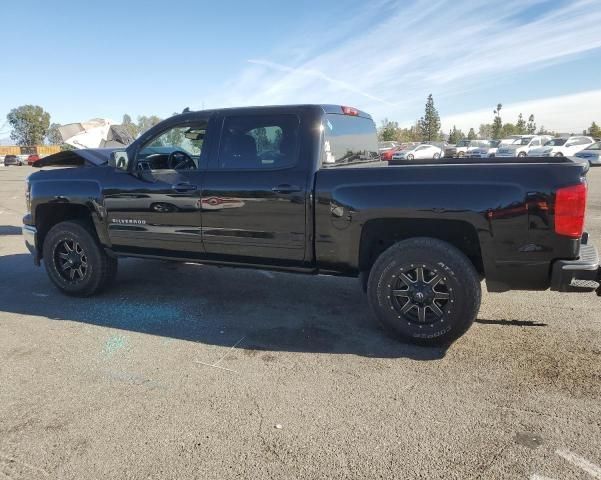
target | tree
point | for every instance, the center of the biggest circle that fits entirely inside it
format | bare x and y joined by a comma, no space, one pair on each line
145,123
531,126
594,130
485,130
388,131
429,124
508,130
471,135
520,126
497,124
53,137
130,126
455,135
29,123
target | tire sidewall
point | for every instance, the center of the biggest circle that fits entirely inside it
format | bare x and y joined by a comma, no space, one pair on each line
460,305
72,232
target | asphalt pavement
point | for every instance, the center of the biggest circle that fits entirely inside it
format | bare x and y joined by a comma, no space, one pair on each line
185,371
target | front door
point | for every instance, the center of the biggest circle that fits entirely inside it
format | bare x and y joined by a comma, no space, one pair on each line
157,209
255,193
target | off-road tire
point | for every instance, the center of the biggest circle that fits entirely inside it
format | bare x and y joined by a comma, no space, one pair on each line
459,280
100,268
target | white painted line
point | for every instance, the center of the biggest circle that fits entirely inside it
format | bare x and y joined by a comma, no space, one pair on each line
39,294
227,353
267,274
590,468
215,366
536,476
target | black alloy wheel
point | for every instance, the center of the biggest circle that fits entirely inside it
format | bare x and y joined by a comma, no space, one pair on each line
70,261
424,290
419,294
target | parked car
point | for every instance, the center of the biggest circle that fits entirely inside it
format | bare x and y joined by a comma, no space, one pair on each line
487,149
592,153
387,155
521,146
12,160
385,146
420,237
423,151
32,158
562,146
463,148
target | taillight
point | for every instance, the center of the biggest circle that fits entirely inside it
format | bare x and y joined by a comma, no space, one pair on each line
350,111
570,206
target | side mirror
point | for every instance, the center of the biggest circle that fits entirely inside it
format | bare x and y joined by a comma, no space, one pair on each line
119,160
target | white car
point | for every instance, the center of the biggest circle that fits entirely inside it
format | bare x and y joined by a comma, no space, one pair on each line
521,146
562,147
418,152
592,153
487,150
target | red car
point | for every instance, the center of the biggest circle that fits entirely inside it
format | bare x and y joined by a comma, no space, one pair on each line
387,155
32,158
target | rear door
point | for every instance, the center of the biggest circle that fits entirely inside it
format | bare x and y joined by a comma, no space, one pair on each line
255,192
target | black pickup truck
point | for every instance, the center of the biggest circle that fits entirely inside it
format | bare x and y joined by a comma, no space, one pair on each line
301,189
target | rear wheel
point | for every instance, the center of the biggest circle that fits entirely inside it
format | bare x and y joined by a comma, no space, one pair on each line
424,290
436,156
522,154
559,154
75,261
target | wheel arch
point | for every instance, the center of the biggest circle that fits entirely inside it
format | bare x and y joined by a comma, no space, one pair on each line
378,235
47,215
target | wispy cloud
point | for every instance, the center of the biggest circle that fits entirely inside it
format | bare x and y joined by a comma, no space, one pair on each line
419,47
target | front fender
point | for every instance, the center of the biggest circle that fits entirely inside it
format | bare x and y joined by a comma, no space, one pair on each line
54,198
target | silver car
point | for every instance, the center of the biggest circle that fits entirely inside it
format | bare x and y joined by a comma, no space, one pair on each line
592,153
418,152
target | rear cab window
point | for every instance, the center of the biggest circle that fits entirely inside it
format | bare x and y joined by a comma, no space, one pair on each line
348,140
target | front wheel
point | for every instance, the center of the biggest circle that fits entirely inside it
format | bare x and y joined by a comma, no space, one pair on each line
410,157
436,156
558,154
425,291
75,261
522,154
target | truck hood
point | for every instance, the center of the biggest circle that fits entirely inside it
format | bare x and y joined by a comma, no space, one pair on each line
90,157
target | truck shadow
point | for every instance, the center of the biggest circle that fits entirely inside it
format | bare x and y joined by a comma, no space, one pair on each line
212,305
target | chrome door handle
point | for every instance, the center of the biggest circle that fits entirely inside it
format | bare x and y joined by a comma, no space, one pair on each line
184,187
286,188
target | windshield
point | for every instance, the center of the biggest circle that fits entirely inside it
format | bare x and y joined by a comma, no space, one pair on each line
495,143
522,141
463,143
556,142
595,146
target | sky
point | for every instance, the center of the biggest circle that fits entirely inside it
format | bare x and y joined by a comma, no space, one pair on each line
82,60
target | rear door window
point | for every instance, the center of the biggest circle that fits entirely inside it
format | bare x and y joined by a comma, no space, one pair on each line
348,140
256,142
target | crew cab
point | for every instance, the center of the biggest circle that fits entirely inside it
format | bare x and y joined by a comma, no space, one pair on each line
302,189
522,146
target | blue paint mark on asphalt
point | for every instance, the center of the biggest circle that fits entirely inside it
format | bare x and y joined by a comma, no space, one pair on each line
135,315
113,344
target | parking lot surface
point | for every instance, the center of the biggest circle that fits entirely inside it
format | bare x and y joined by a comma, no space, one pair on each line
188,371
